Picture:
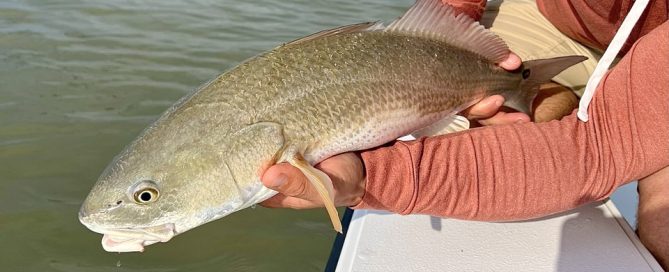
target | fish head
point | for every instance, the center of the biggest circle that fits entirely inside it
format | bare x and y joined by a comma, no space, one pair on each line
150,193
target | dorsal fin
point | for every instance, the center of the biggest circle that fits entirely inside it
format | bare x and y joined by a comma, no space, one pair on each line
433,19
360,27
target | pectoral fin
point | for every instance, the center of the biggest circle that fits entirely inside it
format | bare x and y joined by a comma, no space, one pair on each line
453,123
323,185
248,153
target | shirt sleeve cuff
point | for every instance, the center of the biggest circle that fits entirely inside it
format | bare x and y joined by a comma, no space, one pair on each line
391,183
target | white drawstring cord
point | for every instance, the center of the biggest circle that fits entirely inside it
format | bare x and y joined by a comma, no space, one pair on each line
609,56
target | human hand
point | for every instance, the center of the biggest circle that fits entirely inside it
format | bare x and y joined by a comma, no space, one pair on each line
346,171
512,62
488,112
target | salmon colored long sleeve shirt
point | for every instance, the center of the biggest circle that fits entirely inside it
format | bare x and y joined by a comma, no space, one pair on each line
529,170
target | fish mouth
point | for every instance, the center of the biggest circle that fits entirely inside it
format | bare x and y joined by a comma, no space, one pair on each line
134,239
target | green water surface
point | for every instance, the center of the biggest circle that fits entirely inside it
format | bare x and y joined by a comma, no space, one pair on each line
80,79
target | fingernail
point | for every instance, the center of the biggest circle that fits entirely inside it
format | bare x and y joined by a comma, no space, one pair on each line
280,180
520,121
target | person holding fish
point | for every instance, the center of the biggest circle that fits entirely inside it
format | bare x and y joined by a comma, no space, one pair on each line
287,128
518,169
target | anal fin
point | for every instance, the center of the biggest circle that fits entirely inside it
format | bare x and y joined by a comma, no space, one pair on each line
450,124
323,185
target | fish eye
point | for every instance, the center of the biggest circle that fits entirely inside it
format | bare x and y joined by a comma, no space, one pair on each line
145,192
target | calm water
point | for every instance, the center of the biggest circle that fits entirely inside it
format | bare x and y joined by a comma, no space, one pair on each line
79,80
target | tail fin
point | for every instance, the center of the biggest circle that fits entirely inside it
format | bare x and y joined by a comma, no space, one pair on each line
536,72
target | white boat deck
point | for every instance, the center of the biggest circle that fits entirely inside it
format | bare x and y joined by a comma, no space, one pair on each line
592,238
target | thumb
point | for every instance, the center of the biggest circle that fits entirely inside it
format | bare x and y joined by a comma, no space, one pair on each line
289,181
512,62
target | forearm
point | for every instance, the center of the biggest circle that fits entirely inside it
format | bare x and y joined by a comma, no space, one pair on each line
499,173
530,170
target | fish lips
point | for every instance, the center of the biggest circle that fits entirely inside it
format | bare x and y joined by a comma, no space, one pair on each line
133,239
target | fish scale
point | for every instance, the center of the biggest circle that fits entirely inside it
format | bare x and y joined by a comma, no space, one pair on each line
416,73
422,78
